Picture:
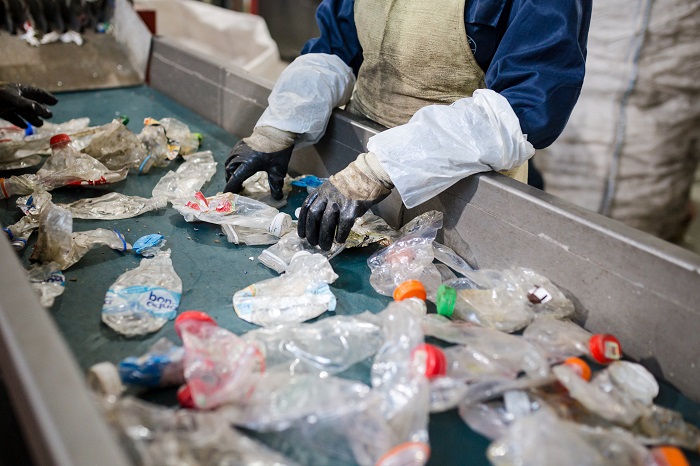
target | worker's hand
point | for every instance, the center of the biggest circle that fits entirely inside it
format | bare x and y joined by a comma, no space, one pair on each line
20,104
331,211
267,149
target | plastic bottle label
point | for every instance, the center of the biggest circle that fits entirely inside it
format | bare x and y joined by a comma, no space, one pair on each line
156,301
539,295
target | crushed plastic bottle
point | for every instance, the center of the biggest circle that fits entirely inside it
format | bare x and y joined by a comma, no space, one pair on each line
328,346
149,245
243,220
154,141
180,139
300,294
562,339
65,167
156,436
32,206
507,300
220,367
189,177
161,366
58,243
278,256
114,206
47,281
568,443
143,299
258,187
410,257
118,148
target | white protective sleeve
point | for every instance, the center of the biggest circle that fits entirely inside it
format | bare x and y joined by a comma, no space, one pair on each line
306,93
442,144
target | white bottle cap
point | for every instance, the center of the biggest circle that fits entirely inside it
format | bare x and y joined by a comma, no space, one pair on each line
280,224
103,378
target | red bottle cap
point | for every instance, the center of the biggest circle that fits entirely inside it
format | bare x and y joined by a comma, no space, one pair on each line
431,359
190,316
59,140
605,348
184,397
410,289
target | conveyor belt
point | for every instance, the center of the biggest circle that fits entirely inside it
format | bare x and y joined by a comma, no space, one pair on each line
211,269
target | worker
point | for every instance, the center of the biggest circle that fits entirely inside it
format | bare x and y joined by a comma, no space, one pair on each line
464,87
21,104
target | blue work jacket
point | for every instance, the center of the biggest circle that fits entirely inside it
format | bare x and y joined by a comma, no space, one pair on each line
533,53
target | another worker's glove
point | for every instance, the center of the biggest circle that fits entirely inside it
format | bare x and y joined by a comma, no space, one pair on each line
331,211
20,104
268,149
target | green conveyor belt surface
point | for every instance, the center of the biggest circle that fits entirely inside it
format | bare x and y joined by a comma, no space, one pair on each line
211,269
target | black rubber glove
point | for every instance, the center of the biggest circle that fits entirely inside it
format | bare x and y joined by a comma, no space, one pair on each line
244,162
331,211
19,102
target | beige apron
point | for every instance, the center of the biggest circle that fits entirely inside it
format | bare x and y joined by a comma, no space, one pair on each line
416,53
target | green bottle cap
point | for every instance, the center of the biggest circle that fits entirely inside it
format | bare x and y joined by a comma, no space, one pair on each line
124,119
199,137
445,300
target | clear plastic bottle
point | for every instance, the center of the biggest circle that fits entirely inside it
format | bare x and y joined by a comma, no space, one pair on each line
410,257
188,178
220,367
154,141
328,346
541,439
242,219
180,138
58,243
300,294
562,339
278,256
114,206
143,299
507,300
118,148
47,281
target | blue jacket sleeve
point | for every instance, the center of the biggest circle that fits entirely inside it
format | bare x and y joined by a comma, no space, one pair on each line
336,21
540,63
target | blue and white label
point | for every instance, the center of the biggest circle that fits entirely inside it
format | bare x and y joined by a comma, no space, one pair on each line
156,301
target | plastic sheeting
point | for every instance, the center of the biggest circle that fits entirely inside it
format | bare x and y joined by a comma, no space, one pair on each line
634,132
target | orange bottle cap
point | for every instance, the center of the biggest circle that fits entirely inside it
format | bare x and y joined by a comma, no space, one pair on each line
605,348
184,397
668,456
580,366
410,289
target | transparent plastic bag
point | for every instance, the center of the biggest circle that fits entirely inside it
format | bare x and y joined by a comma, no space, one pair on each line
410,257
114,206
188,178
143,299
300,294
